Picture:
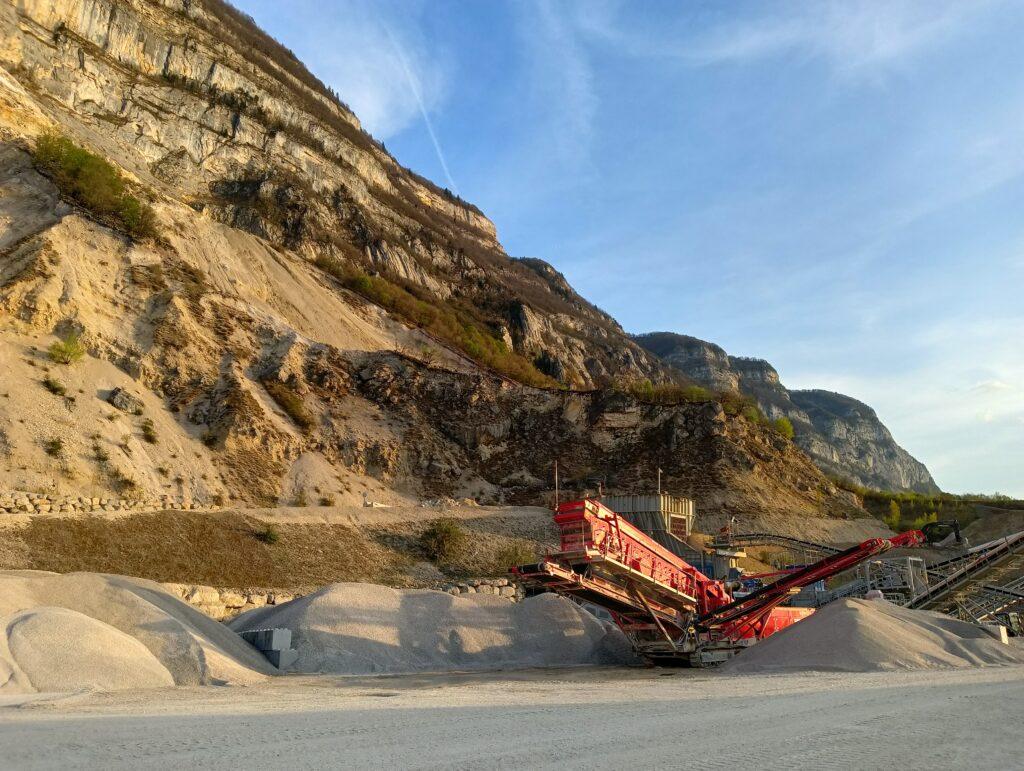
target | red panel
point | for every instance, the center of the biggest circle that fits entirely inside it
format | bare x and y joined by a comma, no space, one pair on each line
594,531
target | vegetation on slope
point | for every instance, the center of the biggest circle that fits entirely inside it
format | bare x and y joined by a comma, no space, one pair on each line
734,404
452,324
95,184
910,511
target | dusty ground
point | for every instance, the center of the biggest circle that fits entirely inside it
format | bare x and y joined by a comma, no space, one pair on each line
314,546
538,719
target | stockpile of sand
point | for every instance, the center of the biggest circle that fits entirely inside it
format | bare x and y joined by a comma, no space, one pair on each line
871,635
86,631
365,628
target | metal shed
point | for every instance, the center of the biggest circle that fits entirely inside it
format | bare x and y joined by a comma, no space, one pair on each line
654,512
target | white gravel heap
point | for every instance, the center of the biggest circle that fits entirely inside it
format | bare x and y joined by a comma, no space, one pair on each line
366,629
874,635
87,631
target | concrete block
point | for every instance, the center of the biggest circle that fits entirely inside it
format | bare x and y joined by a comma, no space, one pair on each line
269,639
282,659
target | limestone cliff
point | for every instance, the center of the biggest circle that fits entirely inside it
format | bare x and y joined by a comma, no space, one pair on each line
843,436
207,111
262,373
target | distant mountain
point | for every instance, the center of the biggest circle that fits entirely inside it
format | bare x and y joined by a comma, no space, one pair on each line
842,435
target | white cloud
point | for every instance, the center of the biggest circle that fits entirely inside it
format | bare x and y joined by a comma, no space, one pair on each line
992,385
562,81
852,35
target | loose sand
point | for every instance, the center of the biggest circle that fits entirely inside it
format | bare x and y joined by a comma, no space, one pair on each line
875,635
366,628
99,657
100,632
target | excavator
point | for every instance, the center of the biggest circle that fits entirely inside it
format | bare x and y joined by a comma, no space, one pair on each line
671,612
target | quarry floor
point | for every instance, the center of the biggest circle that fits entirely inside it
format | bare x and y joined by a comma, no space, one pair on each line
580,718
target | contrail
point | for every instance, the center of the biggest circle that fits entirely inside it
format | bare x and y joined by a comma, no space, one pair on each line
423,110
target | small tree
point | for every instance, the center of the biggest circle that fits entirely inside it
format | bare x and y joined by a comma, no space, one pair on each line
68,350
783,427
893,518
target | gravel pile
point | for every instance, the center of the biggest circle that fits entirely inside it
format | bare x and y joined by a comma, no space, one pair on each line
86,631
874,635
366,629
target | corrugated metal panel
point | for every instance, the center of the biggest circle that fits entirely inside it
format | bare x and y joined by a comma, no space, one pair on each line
654,513
633,504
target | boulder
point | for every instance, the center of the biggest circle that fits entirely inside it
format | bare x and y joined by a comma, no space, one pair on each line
126,402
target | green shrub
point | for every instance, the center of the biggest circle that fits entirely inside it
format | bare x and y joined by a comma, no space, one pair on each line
444,540
122,481
67,350
513,554
268,535
54,447
783,427
94,183
149,431
290,402
455,326
101,456
55,387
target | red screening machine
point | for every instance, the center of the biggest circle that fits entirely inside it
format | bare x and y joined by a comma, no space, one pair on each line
668,609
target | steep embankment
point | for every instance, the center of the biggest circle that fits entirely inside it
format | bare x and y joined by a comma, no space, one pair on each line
843,436
258,367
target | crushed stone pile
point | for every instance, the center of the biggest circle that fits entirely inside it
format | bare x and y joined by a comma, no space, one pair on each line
874,635
87,631
369,629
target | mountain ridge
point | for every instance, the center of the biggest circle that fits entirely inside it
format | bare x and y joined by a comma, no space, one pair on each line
842,435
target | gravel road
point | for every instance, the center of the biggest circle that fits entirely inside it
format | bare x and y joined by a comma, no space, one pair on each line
538,719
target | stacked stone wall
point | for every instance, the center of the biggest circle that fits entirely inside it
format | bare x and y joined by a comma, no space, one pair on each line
38,503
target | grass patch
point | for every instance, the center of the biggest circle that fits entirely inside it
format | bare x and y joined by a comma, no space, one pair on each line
149,431
94,183
122,482
67,350
290,402
55,387
54,447
513,554
268,535
216,549
444,540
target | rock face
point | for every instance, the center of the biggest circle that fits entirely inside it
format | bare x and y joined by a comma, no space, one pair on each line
854,438
843,436
264,378
196,102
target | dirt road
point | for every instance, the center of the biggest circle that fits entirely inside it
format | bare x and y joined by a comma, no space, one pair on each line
574,719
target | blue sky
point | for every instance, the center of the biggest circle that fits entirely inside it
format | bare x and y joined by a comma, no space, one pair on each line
837,187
